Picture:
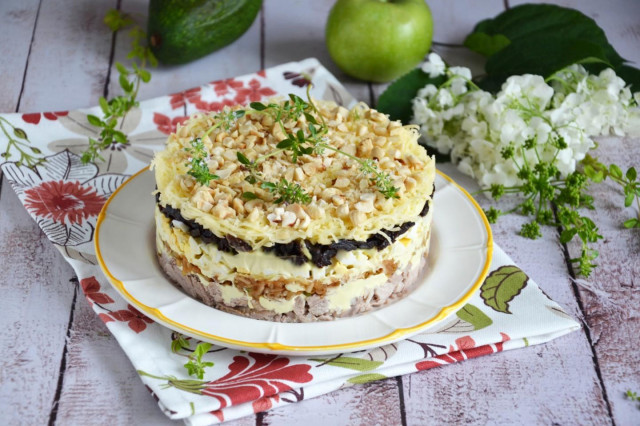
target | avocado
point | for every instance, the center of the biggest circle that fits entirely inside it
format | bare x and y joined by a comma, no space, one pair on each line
181,31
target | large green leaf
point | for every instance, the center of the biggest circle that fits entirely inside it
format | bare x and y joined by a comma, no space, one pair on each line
358,364
396,100
486,44
501,286
630,75
366,378
536,21
542,55
474,316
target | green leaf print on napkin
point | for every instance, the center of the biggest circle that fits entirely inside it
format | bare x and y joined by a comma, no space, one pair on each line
358,364
501,286
469,318
366,378
474,316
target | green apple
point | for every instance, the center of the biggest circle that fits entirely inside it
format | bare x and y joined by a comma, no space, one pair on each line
378,40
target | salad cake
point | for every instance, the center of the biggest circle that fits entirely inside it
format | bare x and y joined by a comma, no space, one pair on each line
294,211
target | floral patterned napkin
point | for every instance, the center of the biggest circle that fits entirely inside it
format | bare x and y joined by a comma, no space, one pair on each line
40,158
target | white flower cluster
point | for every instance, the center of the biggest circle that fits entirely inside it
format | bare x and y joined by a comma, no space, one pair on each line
530,117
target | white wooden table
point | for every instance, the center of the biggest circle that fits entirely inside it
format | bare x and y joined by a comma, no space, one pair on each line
60,365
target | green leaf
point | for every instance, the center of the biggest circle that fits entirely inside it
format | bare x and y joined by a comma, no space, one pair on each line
567,235
595,176
125,84
534,20
358,364
631,174
628,198
201,349
284,144
249,196
180,343
396,100
615,171
258,106
474,316
94,121
486,44
630,75
116,20
145,75
366,378
104,105
121,68
120,137
501,286
243,159
542,55
632,223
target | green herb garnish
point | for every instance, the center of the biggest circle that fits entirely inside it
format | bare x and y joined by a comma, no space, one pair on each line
195,366
307,141
198,167
115,110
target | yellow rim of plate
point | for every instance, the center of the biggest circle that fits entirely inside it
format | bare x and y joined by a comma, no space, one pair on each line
393,336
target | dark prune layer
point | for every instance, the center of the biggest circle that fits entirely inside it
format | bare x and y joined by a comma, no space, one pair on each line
321,254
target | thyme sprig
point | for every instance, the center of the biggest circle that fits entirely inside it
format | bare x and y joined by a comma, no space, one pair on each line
311,140
550,200
198,167
196,366
115,110
632,396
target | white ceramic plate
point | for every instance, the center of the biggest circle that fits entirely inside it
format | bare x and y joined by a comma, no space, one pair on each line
459,259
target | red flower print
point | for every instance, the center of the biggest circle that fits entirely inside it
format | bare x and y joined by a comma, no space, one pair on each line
247,381
34,118
165,124
222,87
214,106
264,404
105,318
466,350
262,73
63,202
134,319
180,99
219,415
91,288
253,93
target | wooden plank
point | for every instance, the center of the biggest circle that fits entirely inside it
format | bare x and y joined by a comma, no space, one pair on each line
100,384
240,57
98,375
62,74
533,383
373,403
35,304
17,20
610,298
69,56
